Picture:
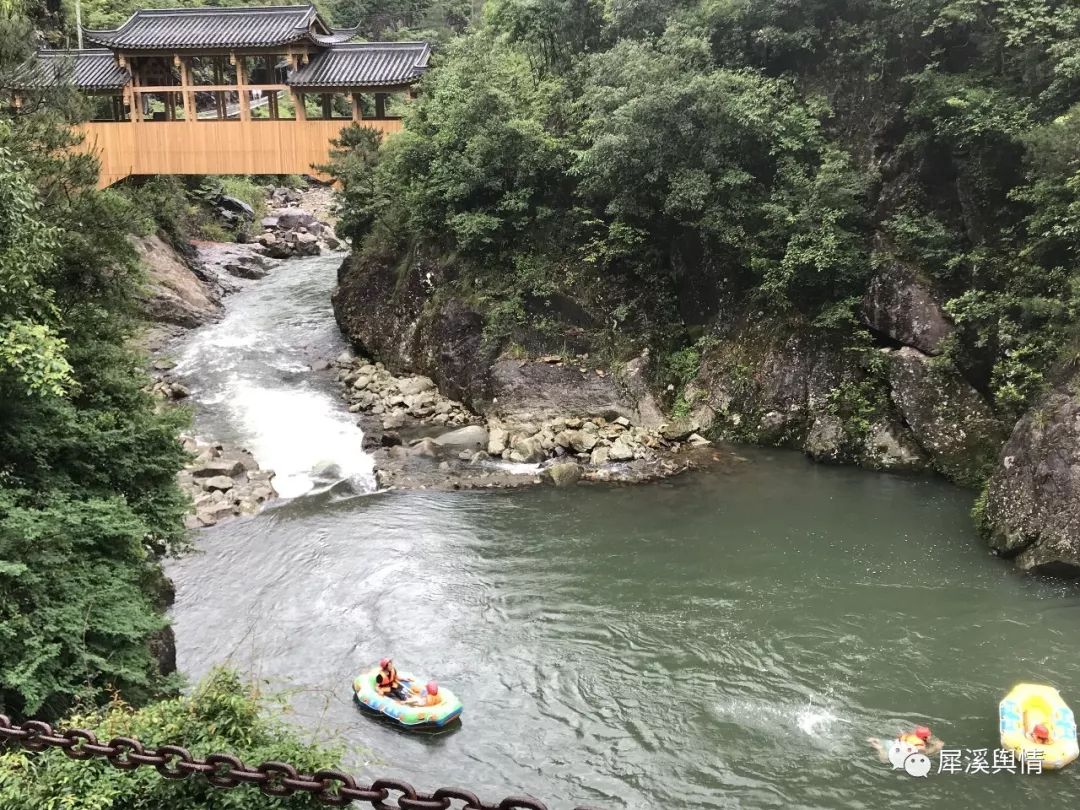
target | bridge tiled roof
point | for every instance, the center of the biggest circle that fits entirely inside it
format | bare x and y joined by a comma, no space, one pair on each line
192,28
86,70
367,64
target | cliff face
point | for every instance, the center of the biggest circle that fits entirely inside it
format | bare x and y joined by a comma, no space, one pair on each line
1032,506
391,314
408,317
175,294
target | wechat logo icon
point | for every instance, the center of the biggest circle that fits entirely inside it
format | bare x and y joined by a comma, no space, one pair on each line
917,764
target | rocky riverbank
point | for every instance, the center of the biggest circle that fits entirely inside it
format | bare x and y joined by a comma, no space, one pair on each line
423,439
223,482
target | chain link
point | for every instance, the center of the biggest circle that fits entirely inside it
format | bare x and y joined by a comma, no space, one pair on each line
328,787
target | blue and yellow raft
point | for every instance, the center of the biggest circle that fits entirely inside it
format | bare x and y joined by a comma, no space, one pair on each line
411,714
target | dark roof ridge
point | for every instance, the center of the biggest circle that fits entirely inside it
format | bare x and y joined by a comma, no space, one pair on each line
177,11
76,51
405,43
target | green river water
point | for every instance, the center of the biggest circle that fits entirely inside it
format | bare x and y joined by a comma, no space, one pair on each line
724,639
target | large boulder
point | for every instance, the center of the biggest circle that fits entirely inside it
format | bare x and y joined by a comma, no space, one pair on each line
890,447
174,292
564,474
470,436
899,305
217,467
290,219
548,390
948,418
1032,507
233,208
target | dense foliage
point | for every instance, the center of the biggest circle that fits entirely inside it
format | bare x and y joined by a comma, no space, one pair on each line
221,715
87,467
670,164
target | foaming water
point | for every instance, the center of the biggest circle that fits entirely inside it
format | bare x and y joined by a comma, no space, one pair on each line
250,377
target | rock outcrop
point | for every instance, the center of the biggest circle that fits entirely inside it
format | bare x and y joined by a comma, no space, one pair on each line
900,306
176,293
948,418
1032,502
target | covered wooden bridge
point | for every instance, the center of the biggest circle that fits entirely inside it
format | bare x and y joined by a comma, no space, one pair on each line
229,90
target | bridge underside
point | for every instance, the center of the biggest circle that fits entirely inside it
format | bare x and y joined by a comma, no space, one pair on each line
215,147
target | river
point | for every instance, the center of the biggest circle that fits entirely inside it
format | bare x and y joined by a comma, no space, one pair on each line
720,640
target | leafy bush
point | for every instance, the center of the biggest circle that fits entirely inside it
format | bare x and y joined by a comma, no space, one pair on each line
221,715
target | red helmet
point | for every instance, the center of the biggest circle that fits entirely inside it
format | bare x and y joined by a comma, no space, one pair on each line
922,732
1042,732
384,663
432,688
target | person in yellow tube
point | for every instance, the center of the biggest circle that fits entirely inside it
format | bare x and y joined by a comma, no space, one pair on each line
1040,734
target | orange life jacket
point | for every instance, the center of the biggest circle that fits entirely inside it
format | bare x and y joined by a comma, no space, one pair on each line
911,739
387,679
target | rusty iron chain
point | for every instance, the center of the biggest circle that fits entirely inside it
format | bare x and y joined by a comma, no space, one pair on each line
329,787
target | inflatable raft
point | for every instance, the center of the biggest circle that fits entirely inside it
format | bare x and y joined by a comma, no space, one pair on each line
1028,705
412,714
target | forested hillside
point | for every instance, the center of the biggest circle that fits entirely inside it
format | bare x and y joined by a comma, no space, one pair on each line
849,227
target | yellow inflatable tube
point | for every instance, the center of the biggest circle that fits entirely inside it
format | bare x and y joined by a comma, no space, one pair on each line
1029,704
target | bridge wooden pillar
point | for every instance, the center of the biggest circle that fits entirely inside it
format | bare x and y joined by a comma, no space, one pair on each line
297,98
185,88
241,87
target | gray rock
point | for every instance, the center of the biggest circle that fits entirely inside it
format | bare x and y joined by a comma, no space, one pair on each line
326,469
948,418
900,305
290,219
269,222
697,440
415,385
527,450
235,206
577,440
620,450
564,474
394,420
220,483
825,440
497,439
425,448
249,271
1033,498
890,447
599,456
473,436
210,469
